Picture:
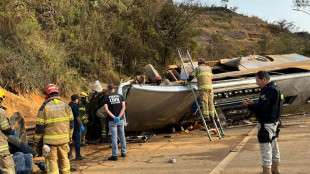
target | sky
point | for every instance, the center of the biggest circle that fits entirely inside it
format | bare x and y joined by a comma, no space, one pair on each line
269,10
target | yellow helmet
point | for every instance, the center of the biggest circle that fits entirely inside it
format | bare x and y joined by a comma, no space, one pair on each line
2,95
83,95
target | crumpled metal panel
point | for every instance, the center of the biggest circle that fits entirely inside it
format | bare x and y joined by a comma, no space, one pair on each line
152,107
257,61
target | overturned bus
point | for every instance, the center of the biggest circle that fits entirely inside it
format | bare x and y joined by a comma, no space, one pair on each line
151,106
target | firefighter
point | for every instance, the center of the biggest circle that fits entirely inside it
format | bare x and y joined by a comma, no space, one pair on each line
267,110
55,124
6,160
203,74
84,117
104,124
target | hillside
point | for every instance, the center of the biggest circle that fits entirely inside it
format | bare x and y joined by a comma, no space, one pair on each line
27,105
73,43
225,34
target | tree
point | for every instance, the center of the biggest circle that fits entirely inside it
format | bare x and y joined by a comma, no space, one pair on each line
285,25
172,24
302,5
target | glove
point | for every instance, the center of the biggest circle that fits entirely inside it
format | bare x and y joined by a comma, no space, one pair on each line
15,134
116,119
46,150
82,128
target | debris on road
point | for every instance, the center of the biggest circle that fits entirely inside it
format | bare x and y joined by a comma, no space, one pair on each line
173,160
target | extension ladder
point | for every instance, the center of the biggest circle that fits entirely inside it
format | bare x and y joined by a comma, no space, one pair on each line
214,120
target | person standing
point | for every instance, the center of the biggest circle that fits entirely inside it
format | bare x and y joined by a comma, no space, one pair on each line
115,107
83,115
78,127
7,165
102,115
54,123
267,110
203,74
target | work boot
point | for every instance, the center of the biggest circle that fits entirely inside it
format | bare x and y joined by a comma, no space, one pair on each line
72,169
79,158
104,140
266,170
275,168
113,158
123,155
207,117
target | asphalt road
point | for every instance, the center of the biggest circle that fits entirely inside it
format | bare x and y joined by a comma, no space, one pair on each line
194,153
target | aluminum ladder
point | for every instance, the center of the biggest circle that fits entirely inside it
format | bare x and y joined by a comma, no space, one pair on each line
196,101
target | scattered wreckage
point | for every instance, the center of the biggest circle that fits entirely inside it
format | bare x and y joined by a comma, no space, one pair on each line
164,102
151,107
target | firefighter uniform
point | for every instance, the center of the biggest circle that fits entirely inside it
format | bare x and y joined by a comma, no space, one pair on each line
84,120
55,124
6,161
204,84
103,120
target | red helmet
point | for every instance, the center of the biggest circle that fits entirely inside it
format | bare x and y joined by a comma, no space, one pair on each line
51,88
201,61
157,80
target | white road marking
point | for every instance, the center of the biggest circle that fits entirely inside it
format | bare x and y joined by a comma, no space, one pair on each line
221,166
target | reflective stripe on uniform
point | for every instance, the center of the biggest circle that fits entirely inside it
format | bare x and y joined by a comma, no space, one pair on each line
60,119
193,74
47,165
204,74
82,109
40,120
65,169
56,101
11,170
205,87
186,82
203,105
208,111
4,123
56,136
38,136
3,148
53,172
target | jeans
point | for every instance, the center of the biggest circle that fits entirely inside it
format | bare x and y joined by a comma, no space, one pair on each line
77,143
270,151
117,129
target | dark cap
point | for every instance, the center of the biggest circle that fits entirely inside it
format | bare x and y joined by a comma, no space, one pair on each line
111,86
74,97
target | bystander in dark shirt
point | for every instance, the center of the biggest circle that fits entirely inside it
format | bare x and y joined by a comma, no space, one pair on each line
76,114
114,102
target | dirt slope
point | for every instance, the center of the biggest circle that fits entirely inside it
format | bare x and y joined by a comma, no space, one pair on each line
27,105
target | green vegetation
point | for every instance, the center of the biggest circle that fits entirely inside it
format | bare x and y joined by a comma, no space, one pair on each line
66,42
